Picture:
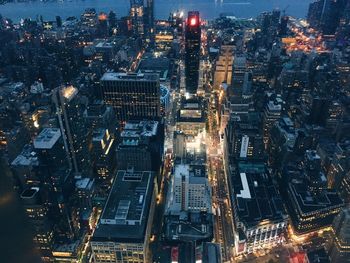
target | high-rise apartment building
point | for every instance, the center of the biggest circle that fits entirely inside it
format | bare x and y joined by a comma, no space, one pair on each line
133,96
192,51
137,11
71,121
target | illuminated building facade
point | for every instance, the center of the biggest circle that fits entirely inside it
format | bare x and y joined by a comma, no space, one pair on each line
192,51
133,96
191,117
123,232
89,18
137,11
164,37
188,192
102,26
103,135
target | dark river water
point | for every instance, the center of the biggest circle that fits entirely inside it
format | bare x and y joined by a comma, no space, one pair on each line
209,9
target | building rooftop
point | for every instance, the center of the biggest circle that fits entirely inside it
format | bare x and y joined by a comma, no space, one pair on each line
84,184
159,66
255,196
164,92
29,193
189,226
310,202
69,92
47,138
113,76
137,132
124,217
191,110
182,170
27,157
99,134
273,106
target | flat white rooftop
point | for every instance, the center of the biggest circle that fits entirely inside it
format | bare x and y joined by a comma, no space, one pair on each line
245,192
121,76
47,138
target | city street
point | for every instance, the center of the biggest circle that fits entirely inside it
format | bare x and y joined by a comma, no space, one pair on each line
223,214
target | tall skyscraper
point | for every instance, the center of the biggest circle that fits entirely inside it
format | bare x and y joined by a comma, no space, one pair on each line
137,17
56,180
192,52
325,15
72,124
149,16
133,96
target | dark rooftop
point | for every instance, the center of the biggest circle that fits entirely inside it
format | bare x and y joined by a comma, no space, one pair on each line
124,217
318,256
189,227
255,196
155,65
309,202
29,193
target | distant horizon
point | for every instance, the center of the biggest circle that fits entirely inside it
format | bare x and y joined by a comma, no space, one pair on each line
209,9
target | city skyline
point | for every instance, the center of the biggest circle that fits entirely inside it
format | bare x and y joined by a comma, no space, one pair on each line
125,138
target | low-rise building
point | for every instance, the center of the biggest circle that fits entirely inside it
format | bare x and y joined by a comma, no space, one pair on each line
123,232
259,216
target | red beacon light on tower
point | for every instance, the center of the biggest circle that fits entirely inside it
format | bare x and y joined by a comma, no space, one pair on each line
193,21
